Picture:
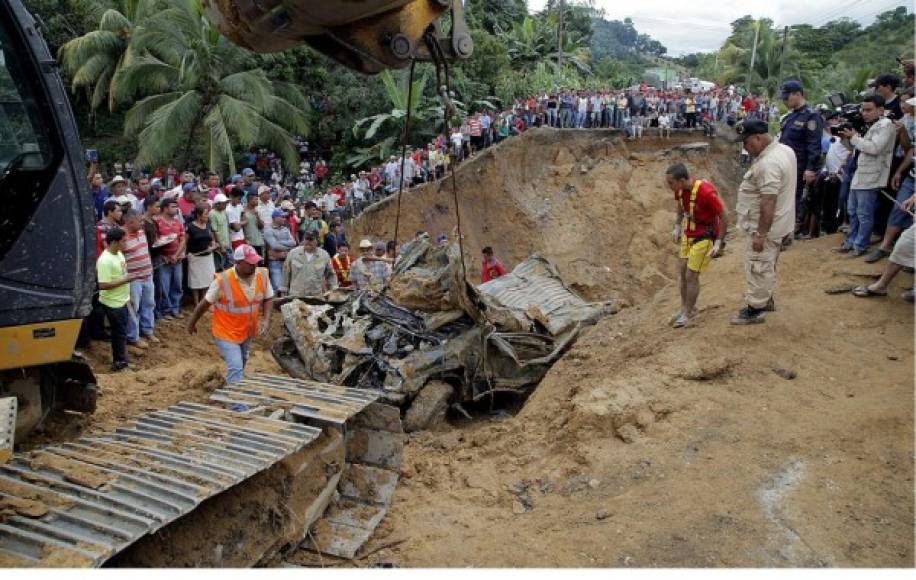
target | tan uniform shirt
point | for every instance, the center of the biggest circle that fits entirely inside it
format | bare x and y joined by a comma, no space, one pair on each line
773,172
305,275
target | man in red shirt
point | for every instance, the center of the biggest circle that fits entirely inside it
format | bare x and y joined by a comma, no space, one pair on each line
171,242
700,227
491,268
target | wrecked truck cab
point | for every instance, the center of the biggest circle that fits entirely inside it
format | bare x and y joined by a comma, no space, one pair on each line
430,328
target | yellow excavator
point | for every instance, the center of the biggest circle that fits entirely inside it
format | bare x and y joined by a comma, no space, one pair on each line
47,250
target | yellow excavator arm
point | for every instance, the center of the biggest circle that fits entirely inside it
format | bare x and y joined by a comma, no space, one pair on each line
365,35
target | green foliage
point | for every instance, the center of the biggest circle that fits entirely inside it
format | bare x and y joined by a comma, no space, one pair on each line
839,55
494,16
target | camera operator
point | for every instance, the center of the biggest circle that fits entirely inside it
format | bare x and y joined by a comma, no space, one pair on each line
873,153
801,129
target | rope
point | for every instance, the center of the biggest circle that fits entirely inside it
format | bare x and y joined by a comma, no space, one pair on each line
397,215
445,125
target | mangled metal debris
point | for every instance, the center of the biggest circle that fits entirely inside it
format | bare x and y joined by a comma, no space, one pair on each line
429,325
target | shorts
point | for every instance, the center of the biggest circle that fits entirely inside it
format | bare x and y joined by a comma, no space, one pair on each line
696,252
905,248
899,217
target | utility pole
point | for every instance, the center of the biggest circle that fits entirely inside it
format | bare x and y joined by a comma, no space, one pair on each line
560,35
782,51
750,72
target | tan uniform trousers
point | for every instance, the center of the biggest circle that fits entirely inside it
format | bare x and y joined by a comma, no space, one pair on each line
760,269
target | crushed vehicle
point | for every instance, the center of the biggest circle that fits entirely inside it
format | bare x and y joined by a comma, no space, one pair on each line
429,339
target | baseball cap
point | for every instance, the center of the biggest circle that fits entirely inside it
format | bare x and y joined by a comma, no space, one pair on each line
263,189
188,187
791,87
747,128
235,178
155,182
278,213
122,199
247,172
220,198
365,244
441,238
246,253
379,245
287,205
118,179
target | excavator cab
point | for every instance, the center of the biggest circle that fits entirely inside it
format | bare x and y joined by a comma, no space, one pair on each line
47,272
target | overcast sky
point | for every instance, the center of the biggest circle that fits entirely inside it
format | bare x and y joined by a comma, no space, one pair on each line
706,24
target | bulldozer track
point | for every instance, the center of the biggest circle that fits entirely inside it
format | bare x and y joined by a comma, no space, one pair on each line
79,504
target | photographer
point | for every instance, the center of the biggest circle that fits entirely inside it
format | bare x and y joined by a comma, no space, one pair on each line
873,153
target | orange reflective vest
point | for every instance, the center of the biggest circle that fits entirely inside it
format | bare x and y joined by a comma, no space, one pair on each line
235,318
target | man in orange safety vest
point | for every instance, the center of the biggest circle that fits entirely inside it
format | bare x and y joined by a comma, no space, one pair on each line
241,298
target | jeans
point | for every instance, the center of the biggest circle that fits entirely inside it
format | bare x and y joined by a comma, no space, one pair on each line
118,319
236,356
861,209
552,117
565,115
170,282
275,268
898,217
618,118
143,306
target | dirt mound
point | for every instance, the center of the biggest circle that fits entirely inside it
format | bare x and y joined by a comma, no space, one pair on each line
180,368
588,201
648,446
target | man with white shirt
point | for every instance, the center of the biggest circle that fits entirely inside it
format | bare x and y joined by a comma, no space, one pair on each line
265,205
235,215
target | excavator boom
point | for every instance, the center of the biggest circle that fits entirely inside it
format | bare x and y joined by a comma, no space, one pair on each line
365,35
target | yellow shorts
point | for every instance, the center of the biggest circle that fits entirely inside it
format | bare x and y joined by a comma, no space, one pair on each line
696,253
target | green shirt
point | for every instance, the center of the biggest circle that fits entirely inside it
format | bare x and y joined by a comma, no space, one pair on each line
219,223
252,233
111,268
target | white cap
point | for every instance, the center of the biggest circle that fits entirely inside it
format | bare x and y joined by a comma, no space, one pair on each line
220,198
365,244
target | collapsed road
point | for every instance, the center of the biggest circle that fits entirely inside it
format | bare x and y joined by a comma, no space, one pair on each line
430,340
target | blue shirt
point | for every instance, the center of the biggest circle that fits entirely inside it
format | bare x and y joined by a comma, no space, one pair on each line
98,199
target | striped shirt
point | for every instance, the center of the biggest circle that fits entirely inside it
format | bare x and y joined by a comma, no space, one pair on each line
136,252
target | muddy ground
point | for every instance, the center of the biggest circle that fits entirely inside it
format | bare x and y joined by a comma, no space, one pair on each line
644,445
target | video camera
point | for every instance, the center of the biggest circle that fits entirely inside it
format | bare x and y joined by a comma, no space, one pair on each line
850,113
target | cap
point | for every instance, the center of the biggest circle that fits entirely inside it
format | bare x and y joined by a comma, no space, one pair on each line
365,244
155,182
220,198
188,187
122,199
235,178
746,128
246,253
248,172
791,87
263,189
441,238
287,205
118,179
278,213
379,245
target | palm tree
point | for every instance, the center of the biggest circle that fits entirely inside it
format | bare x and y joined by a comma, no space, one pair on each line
197,88
92,60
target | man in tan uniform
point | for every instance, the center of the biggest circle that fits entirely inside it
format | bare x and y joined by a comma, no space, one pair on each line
766,213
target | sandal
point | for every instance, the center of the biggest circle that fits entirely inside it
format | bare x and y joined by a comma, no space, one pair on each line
865,292
682,321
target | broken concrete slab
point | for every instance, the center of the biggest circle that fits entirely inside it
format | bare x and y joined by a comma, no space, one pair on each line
429,406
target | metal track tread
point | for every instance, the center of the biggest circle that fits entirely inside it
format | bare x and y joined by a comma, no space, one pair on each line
309,400
80,503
